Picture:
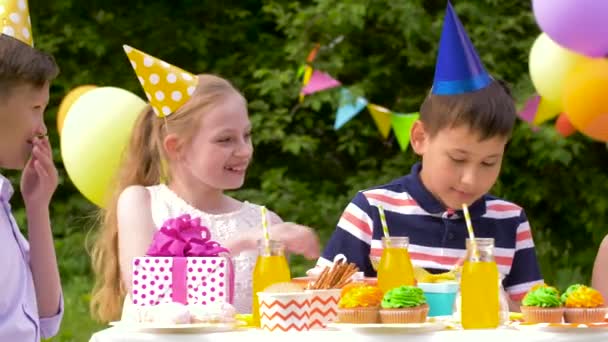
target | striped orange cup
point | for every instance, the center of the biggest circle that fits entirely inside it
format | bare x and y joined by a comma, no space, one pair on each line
284,311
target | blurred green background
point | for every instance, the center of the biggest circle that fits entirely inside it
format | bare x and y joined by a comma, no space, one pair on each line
303,169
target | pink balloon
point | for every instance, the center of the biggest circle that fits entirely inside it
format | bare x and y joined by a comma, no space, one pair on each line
578,25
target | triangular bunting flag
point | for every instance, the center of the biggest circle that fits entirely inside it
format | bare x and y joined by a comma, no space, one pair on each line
545,112
313,53
402,125
349,108
319,81
307,74
300,71
382,118
528,112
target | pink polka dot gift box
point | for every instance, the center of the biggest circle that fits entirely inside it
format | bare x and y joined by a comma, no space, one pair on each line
183,265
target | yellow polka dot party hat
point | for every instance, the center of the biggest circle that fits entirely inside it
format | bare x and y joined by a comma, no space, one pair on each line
167,87
15,20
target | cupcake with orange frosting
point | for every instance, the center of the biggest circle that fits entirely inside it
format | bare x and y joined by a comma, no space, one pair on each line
404,304
583,304
542,304
350,286
359,304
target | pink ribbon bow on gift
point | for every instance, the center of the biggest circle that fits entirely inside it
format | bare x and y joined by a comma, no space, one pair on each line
184,237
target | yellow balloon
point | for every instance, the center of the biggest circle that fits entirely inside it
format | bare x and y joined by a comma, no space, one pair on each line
549,64
545,111
96,130
585,99
67,102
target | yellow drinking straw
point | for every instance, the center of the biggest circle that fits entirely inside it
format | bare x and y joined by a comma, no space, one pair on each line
467,218
265,230
384,225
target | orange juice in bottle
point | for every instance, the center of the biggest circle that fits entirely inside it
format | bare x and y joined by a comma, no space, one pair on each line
479,287
270,268
395,268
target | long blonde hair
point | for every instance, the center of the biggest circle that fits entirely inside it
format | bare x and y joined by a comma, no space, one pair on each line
143,165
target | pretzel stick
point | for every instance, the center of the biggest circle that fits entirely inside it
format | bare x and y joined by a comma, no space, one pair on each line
326,281
339,274
334,277
343,283
313,283
346,270
346,277
332,274
353,269
331,278
317,284
320,278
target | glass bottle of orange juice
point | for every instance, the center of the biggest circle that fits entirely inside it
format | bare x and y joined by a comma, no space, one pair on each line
479,288
395,268
270,268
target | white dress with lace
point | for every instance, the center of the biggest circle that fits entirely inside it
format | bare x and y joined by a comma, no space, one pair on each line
166,204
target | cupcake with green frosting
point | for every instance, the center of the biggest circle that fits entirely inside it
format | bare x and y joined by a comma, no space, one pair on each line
542,304
404,304
583,304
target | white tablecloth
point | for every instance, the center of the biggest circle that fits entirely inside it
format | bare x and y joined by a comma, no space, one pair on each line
498,335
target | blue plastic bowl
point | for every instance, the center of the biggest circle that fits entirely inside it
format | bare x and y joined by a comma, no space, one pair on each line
440,297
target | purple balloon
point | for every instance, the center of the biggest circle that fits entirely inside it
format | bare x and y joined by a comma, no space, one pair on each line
578,25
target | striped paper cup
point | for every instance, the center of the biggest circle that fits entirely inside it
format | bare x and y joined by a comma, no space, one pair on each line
323,307
284,311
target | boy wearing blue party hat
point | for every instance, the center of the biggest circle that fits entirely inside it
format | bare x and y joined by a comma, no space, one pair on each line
464,126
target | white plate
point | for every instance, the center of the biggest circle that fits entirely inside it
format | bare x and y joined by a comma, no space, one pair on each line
190,328
389,328
563,327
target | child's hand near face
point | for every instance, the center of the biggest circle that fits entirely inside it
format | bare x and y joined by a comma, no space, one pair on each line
39,177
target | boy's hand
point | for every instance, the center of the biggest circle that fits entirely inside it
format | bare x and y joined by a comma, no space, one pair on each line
39,177
298,239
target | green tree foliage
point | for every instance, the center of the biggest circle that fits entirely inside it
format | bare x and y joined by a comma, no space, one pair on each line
303,169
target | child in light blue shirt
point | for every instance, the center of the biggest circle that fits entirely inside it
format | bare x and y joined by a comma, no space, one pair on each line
31,305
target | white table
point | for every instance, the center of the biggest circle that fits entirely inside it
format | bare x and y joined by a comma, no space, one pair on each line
499,335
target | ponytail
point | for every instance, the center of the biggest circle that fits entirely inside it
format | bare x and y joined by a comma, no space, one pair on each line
141,166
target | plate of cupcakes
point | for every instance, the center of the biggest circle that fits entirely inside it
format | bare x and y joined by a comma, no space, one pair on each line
364,309
579,309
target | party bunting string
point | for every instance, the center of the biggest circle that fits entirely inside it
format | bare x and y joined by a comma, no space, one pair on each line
314,81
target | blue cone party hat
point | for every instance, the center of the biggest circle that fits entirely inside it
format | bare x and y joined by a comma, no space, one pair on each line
459,69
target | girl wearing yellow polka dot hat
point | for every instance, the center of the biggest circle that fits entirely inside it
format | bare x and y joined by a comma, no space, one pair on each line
190,145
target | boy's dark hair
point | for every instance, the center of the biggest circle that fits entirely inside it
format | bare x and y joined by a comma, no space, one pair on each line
489,111
21,64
